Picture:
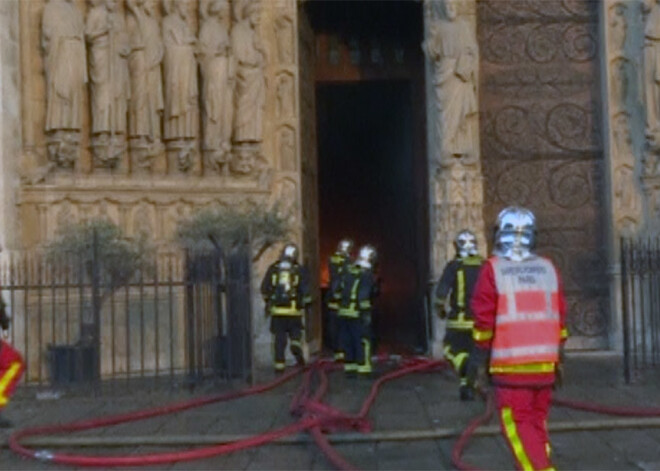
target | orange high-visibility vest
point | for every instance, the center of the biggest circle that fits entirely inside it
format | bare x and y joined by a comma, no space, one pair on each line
527,324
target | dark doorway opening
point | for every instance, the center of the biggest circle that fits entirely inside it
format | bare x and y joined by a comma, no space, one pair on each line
372,188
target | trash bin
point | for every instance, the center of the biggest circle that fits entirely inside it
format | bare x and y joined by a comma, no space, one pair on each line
70,364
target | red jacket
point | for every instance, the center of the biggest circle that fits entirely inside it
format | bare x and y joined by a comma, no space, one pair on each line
484,304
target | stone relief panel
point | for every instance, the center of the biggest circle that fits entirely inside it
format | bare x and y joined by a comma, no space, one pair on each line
157,87
541,140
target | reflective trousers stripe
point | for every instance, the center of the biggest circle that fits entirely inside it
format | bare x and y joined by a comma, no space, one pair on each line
7,379
514,439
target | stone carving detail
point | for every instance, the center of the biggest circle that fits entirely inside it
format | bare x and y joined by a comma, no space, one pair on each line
287,149
213,52
250,92
285,36
108,46
652,74
285,96
181,93
62,40
542,136
452,47
146,105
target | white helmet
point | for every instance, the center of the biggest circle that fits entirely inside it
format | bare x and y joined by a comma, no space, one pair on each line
515,233
289,253
345,246
366,257
466,243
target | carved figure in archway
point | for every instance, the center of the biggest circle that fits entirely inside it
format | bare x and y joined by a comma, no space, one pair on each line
181,93
452,47
146,106
63,43
217,68
250,55
109,48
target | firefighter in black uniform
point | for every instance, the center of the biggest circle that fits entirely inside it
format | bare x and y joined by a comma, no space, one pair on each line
338,263
453,300
355,296
285,289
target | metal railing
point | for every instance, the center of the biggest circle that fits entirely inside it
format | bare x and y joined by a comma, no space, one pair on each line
175,321
640,294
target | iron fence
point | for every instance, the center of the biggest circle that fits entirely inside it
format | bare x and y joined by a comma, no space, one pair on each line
640,294
178,320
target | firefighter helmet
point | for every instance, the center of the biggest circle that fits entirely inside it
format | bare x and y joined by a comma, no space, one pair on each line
289,253
366,257
515,233
345,246
466,243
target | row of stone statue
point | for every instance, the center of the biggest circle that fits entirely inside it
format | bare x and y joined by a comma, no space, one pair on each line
142,76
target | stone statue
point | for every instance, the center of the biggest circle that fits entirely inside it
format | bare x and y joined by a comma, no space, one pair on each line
213,52
652,73
146,106
62,40
181,93
250,56
452,46
109,48
285,39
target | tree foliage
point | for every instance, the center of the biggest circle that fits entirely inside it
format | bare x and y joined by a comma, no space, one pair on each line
99,246
232,227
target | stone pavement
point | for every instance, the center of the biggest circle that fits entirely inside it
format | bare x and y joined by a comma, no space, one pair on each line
415,403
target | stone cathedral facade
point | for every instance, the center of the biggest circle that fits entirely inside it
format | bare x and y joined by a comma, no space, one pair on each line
145,111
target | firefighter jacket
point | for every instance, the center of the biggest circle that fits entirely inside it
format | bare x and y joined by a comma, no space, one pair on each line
285,289
457,281
519,319
356,292
337,264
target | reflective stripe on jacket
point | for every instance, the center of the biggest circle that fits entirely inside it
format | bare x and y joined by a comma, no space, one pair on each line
527,320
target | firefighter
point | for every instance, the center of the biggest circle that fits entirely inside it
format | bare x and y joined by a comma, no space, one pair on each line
338,263
11,366
519,310
285,289
452,297
355,294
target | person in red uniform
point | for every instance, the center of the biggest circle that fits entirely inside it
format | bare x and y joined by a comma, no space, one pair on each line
11,366
519,313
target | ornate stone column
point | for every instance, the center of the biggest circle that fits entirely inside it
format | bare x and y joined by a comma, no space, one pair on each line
626,125
456,181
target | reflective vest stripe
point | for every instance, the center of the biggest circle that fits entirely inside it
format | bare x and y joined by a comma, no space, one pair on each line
481,335
521,352
528,317
460,286
528,368
514,440
7,379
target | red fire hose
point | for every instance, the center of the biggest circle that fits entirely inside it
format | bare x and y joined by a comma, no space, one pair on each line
315,417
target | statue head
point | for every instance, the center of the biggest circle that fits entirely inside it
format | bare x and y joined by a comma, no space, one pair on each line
181,7
96,3
111,5
151,7
219,8
451,9
253,13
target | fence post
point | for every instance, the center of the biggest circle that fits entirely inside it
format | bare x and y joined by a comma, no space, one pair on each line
624,311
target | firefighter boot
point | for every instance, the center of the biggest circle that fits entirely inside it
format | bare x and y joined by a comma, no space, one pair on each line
296,351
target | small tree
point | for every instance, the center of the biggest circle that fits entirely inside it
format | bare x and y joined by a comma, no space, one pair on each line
232,227
96,251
